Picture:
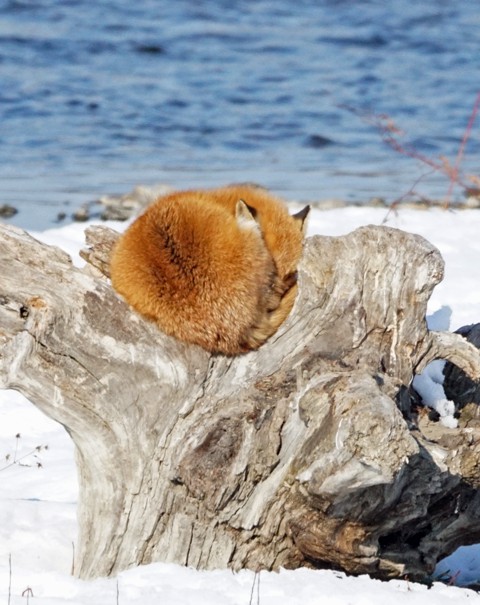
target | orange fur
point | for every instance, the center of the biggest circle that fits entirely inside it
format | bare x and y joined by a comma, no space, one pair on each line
207,274
283,235
282,232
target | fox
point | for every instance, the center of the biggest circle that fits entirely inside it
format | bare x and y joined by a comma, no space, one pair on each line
208,268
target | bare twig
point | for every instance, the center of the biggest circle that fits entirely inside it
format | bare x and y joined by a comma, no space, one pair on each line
391,134
17,439
17,461
256,580
9,578
411,192
28,592
461,149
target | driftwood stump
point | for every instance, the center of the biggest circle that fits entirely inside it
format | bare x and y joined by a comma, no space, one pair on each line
296,454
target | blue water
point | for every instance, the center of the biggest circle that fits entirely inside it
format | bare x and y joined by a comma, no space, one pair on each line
96,97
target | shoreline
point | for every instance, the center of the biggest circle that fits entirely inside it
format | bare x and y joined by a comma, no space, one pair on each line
122,207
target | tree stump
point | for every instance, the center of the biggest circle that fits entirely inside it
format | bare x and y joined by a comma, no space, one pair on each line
295,454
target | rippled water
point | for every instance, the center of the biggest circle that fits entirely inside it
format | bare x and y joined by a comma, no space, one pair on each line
97,97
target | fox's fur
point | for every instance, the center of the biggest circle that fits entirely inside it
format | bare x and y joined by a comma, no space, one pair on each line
283,235
215,268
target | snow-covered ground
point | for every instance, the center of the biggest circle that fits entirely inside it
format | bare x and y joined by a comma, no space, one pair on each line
39,489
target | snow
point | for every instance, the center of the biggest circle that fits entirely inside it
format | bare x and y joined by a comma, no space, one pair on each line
429,385
39,488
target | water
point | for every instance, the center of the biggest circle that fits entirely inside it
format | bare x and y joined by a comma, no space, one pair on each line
97,97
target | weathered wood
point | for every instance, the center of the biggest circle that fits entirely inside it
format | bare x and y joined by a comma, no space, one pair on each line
296,454
100,241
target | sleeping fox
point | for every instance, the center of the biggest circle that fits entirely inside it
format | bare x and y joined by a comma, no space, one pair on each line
216,268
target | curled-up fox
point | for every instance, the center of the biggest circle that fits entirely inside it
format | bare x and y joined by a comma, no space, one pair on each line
216,268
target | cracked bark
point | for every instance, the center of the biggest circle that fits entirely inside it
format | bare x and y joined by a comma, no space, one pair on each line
296,454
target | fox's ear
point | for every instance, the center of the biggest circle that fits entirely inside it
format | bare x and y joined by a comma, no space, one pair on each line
301,218
246,215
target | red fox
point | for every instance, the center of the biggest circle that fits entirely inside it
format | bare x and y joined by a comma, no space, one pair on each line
216,268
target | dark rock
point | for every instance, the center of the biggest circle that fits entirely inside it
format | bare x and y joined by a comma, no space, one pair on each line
7,211
458,386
